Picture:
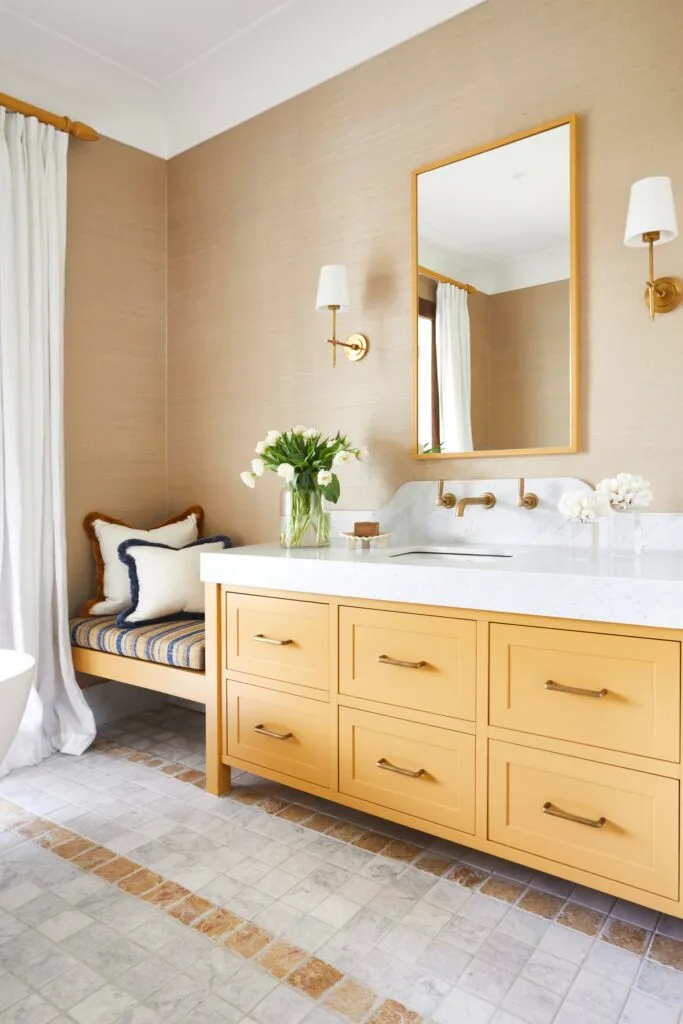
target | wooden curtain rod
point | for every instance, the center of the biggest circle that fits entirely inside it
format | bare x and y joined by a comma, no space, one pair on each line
446,280
63,124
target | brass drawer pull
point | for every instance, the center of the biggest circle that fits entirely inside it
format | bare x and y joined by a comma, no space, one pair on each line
557,813
389,767
384,659
576,690
273,735
261,639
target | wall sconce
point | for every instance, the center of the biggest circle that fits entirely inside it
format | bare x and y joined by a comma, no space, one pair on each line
651,221
333,294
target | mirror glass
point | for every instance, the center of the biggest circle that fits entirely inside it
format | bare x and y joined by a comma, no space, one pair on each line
496,299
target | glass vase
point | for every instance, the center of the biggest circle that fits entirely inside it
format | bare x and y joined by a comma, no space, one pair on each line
625,538
304,519
584,539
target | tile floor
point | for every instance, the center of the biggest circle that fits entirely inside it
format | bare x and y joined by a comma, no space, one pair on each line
130,896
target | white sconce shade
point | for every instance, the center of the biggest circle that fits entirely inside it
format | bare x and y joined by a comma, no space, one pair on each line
333,288
651,208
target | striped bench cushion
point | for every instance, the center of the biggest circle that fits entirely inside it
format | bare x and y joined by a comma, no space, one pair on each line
179,643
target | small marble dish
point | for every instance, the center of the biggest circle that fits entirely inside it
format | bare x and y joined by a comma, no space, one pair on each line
354,542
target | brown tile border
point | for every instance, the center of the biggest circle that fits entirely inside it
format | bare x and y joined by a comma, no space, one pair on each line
667,951
629,936
167,894
314,977
217,923
469,878
391,1012
581,919
351,999
543,904
301,970
538,902
502,889
280,958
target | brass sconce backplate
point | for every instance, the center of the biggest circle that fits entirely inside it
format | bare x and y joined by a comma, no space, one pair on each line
360,347
668,293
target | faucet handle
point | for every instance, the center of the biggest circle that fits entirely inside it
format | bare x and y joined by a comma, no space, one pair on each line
529,500
446,500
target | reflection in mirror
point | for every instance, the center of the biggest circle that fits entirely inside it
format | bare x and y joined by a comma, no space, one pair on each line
495,278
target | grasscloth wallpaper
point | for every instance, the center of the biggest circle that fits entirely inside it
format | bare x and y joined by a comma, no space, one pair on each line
529,367
253,213
325,178
115,343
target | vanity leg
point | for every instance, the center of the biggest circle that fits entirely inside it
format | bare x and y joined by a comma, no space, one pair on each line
217,774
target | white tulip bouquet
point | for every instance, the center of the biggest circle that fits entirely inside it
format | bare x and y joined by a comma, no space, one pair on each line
305,460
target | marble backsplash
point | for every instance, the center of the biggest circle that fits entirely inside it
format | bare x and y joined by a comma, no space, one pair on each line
412,516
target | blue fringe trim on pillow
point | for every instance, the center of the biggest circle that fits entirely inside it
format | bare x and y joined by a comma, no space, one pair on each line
129,561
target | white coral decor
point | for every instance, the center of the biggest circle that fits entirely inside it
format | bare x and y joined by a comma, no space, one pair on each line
583,506
626,492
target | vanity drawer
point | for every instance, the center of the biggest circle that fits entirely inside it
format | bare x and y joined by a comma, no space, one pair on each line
421,662
277,638
617,692
279,731
417,769
534,795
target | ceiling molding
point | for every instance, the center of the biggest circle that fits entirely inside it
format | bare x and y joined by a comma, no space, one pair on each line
165,106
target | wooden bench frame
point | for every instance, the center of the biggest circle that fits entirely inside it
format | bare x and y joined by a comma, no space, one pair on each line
190,684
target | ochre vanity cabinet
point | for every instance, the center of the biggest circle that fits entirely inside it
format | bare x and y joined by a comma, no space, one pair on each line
549,742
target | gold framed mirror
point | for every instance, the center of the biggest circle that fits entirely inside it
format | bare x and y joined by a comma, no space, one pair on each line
496,298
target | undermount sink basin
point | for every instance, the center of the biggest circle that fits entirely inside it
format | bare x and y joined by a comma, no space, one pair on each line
445,555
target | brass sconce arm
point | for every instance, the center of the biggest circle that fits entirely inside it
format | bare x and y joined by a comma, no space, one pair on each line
662,294
355,347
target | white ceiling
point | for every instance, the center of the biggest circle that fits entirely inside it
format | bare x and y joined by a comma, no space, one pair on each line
164,75
504,204
151,38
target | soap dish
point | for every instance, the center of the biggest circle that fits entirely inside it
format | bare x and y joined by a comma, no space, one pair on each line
353,542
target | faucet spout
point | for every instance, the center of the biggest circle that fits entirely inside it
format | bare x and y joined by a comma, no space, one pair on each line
487,500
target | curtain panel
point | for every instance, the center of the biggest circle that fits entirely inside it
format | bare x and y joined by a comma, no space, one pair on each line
33,589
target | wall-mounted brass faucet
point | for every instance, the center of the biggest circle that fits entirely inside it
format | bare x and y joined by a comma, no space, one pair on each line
529,500
446,500
487,499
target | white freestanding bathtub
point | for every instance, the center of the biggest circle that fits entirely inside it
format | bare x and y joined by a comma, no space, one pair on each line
16,676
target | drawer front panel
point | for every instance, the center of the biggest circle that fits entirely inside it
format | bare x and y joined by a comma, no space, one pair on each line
279,731
279,639
436,660
628,827
632,703
417,769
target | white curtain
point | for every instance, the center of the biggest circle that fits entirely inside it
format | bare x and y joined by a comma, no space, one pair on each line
453,361
33,600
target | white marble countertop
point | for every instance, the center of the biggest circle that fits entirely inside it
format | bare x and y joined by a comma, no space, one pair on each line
535,580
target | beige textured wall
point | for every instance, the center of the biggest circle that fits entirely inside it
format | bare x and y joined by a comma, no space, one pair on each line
114,343
480,357
325,177
528,399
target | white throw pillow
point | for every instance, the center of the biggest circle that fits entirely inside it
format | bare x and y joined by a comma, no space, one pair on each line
115,588
165,581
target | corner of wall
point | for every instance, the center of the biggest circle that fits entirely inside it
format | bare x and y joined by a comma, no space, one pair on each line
166,469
